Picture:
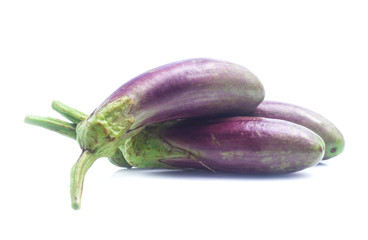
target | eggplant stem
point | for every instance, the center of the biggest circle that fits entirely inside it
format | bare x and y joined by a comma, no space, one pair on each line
77,175
53,124
77,116
71,114
69,130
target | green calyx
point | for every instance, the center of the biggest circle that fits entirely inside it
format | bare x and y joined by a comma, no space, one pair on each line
118,159
146,149
103,131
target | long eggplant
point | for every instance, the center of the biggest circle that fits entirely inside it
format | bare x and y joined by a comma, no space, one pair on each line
185,89
332,137
250,144
330,134
234,144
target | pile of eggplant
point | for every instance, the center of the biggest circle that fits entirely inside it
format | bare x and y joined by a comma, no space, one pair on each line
195,114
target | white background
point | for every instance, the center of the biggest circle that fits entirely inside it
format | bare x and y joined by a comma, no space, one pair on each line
310,53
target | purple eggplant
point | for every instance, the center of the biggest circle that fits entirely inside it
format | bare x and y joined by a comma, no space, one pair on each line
332,137
191,88
186,89
235,144
207,143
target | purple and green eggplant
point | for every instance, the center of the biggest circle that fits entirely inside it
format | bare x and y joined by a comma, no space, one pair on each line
186,89
235,144
332,137
232,144
330,134
179,116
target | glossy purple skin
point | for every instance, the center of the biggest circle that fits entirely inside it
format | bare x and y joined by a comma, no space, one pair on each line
245,145
332,137
191,88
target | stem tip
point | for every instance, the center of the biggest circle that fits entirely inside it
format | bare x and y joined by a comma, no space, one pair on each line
76,206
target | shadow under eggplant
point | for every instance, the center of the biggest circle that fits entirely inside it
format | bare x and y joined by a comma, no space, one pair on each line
202,174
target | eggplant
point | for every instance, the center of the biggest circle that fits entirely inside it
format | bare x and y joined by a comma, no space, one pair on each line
184,89
251,145
234,144
330,134
247,142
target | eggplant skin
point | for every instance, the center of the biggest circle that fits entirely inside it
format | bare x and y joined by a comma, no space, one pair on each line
250,145
190,88
332,137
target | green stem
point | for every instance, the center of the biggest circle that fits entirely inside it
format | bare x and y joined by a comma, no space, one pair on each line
69,129
71,114
53,124
76,116
77,174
